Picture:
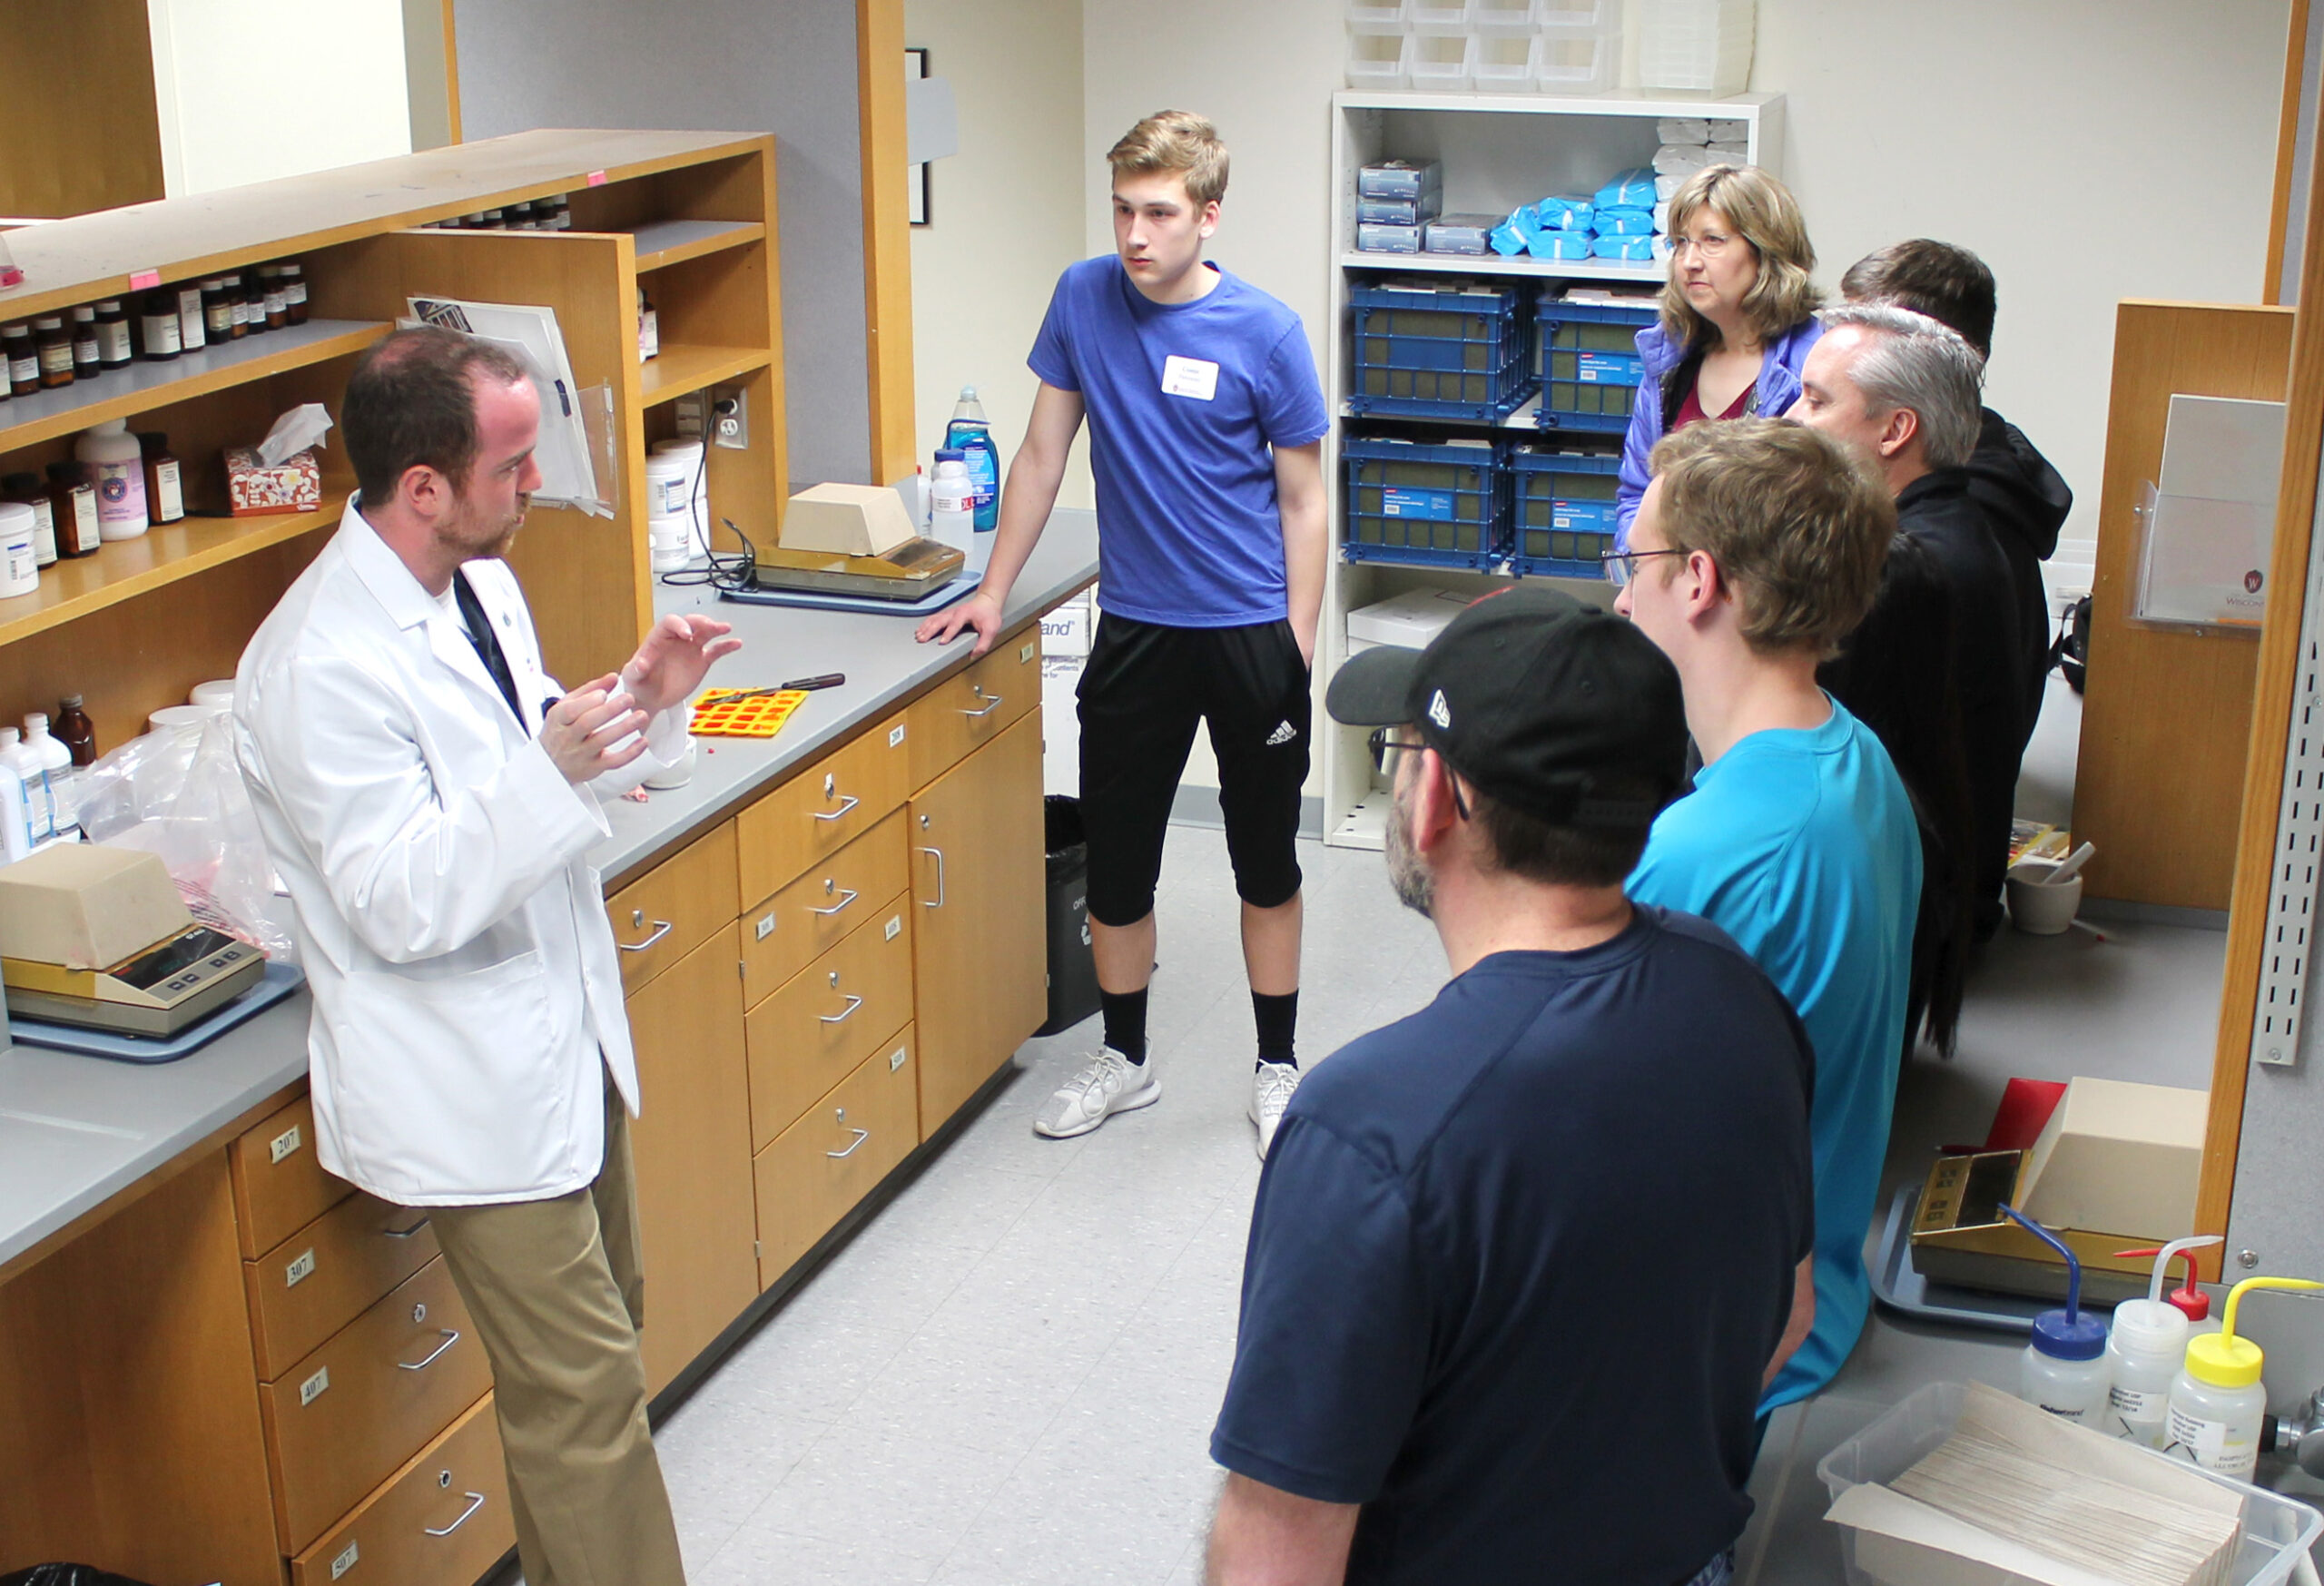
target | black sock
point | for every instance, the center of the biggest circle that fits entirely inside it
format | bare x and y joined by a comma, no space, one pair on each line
1125,1022
1277,1017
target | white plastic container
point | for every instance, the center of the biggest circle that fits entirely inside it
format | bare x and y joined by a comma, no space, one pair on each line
1578,61
19,564
117,473
1700,45
1377,60
1489,18
1440,18
2219,1401
15,832
218,694
1507,63
2146,1346
26,766
952,516
1378,17
57,774
2072,1388
1441,63
669,488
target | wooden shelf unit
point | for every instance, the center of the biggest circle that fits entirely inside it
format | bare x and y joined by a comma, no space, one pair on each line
692,213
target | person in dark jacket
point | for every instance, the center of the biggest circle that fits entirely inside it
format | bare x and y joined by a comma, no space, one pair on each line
2024,499
1905,388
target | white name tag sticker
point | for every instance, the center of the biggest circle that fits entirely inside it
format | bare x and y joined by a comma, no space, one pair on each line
1190,376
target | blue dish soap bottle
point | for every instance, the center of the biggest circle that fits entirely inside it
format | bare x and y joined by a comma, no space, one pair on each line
970,433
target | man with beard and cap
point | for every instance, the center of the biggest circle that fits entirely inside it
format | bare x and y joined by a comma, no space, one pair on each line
1460,1349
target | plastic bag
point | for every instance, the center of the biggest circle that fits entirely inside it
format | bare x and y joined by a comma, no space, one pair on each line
179,794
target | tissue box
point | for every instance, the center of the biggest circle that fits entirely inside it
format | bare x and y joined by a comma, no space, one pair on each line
254,490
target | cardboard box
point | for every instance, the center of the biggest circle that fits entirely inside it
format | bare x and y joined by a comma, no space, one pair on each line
848,521
2119,1157
1411,619
1066,631
293,485
85,906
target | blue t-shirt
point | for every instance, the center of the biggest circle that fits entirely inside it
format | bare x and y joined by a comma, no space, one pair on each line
1185,401
1801,846
1519,1261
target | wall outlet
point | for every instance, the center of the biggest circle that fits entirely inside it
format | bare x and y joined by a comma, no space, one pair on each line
729,416
691,411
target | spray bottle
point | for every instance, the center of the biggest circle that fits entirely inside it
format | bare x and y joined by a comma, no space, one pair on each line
2148,1344
2218,1401
2063,1370
972,434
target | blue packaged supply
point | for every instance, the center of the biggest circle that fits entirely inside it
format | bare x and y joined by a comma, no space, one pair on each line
1561,245
1564,214
1625,223
1633,189
1399,179
1400,211
1382,237
1636,248
1457,234
1506,239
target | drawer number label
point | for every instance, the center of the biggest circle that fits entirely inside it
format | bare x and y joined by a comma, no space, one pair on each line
897,1061
284,1145
765,928
1025,652
895,734
302,1267
346,1561
895,929
314,1388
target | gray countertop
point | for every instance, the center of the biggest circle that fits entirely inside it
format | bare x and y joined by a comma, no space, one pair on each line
75,1131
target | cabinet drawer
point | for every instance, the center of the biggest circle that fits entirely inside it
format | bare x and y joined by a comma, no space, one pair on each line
819,1167
674,908
805,1039
344,1418
322,1277
821,810
967,711
784,934
443,1520
279,1186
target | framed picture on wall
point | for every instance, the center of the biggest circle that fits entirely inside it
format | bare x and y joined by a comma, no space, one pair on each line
916,178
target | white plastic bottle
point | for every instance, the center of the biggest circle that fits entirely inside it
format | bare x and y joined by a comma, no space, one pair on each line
952,501
15,834
2064,1369
26,766
117,472
2218,1401
61,785
2146,1347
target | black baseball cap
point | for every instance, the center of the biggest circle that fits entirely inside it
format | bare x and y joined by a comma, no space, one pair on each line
1540,700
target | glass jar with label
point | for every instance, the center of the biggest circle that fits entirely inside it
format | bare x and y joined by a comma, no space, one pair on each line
24,359
159,338
277,308
164,490
217,311
193,329
254,303
294,292
54,344
113,335
238,301
74,502
85,365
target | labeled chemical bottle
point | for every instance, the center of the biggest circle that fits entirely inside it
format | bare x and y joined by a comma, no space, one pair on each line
2147,1345
238,308
2064,1369
116,470
75,503
24,359
971,434
194,326
160,337
649,329
274,295
76,732
25,490
27,768
254,304
19,572
85,365
217,311
113,335
165,488
294,292
2218,1401
15,827
952,501
54,344
59,784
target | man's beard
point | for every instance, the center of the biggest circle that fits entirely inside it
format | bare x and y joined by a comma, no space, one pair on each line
476,539
1416,887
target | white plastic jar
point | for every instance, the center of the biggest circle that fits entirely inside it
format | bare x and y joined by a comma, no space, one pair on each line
2146,1349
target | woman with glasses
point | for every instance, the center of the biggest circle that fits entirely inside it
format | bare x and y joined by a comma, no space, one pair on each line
1739,316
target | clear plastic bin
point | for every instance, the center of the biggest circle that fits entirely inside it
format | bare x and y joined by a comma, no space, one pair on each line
1506,63
1491,17
1578,61
1699,45
1376,60
2276,1528
1376,16
1441,63
1593,15
1439,18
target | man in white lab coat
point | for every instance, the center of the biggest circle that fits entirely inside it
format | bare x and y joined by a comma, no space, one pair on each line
429,797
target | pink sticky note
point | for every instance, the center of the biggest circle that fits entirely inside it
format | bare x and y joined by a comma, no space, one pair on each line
597,179
144,280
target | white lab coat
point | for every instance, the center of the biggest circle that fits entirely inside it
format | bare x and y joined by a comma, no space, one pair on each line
453,933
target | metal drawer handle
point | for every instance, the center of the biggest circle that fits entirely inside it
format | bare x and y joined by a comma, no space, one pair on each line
476,1501
939,878
991,704
860,1135
450,1335
840,812
854,1002
405,1233
664,929
851,895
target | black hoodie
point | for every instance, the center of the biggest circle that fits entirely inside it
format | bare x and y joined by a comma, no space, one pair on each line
2025,502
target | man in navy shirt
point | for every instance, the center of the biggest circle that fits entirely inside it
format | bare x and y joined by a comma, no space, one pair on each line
1521,1263
1205,425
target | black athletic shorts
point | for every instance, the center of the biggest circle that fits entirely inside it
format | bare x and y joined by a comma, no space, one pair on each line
1144,690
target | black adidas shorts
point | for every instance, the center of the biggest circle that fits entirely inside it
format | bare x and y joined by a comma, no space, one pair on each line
1143,691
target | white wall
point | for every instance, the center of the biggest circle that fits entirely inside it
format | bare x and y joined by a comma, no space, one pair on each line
1005,211
250,90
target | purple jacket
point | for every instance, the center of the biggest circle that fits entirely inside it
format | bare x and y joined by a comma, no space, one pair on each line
1777,390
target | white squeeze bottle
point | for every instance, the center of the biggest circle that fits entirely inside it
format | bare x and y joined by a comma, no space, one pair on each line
952,501
2147,1345
57,773
13,755
2063,1370
2218,1401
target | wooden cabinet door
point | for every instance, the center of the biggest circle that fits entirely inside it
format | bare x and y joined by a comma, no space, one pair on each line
691,1143
980,970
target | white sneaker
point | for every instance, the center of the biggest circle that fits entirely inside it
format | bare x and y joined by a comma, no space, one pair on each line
1271,1088
1109,1083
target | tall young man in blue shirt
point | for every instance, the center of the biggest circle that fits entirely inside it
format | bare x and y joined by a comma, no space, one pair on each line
1757,548
1205,425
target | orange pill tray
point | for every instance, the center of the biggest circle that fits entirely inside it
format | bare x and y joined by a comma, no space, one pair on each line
720,714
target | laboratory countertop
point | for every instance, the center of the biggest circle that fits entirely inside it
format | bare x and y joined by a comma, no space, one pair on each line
76,1131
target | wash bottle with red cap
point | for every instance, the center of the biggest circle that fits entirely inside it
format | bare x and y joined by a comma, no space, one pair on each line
2147,1344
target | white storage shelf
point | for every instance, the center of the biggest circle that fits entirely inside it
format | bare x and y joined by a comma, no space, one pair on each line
1497,151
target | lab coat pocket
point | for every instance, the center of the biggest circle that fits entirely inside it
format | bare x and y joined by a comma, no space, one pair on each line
452,1085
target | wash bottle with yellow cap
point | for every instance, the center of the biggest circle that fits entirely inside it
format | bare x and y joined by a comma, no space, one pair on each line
2218,1401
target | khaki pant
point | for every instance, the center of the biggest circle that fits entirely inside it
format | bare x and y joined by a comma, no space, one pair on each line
556,1290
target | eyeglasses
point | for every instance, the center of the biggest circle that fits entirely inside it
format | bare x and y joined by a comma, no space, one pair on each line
1710,244
1621,566
1382,746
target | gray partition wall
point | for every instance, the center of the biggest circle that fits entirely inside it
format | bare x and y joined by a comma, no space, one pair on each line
783,66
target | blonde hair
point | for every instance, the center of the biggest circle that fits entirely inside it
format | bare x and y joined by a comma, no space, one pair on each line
1175,143
1764,214
1798,522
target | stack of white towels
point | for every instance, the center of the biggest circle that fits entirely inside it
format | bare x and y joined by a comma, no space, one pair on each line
1689,144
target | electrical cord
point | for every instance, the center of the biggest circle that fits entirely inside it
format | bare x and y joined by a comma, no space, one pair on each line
727,570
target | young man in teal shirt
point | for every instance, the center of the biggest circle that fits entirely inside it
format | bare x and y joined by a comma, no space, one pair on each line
1758,548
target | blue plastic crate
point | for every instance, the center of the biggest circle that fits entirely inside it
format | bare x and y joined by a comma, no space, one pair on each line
1453,354
1585,356
1423,504
1561,511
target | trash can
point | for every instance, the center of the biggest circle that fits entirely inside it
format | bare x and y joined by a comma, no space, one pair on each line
1073,972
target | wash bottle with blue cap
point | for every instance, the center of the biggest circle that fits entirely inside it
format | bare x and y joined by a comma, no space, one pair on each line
2218,1401
2147,1344
2063,1370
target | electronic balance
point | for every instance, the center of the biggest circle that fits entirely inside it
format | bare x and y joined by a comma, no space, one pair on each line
98,937
855,540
